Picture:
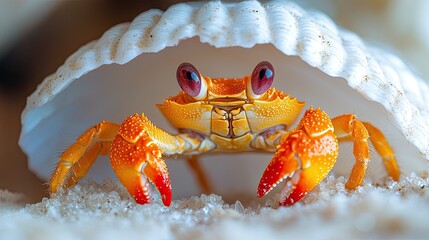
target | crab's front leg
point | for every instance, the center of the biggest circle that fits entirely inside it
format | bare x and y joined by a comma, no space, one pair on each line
136,156
303,158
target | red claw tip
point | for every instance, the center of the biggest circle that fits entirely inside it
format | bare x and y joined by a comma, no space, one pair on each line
162,183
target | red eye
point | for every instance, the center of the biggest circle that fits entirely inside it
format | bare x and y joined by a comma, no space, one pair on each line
189,80
262,77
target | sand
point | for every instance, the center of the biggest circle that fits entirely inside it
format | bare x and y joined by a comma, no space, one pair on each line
395,210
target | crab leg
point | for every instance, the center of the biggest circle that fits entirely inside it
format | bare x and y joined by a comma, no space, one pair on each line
193,162
79,158
81,167
303,158
383,148
348,125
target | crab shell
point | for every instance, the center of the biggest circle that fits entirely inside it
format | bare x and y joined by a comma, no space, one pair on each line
132,68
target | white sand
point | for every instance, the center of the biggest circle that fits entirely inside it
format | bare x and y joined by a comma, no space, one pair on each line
396,210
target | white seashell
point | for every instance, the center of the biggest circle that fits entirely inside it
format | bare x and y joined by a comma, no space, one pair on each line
334,69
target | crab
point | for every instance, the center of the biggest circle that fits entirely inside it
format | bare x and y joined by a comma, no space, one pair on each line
226,115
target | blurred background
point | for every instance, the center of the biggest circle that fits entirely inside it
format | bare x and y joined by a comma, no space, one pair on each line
36,37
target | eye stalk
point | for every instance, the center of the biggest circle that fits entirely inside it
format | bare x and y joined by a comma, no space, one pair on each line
191,82
261,80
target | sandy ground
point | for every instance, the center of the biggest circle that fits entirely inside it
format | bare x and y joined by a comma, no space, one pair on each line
396,210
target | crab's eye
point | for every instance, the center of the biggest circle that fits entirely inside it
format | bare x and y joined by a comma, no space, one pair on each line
262,78
189,79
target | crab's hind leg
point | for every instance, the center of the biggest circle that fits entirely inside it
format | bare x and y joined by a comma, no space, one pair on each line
383,148
203,182
349,126
81,167
78,158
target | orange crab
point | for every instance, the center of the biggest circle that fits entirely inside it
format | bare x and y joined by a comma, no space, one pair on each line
226,115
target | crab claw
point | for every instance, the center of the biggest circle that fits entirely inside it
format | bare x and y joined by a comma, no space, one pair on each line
303,159
136,160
